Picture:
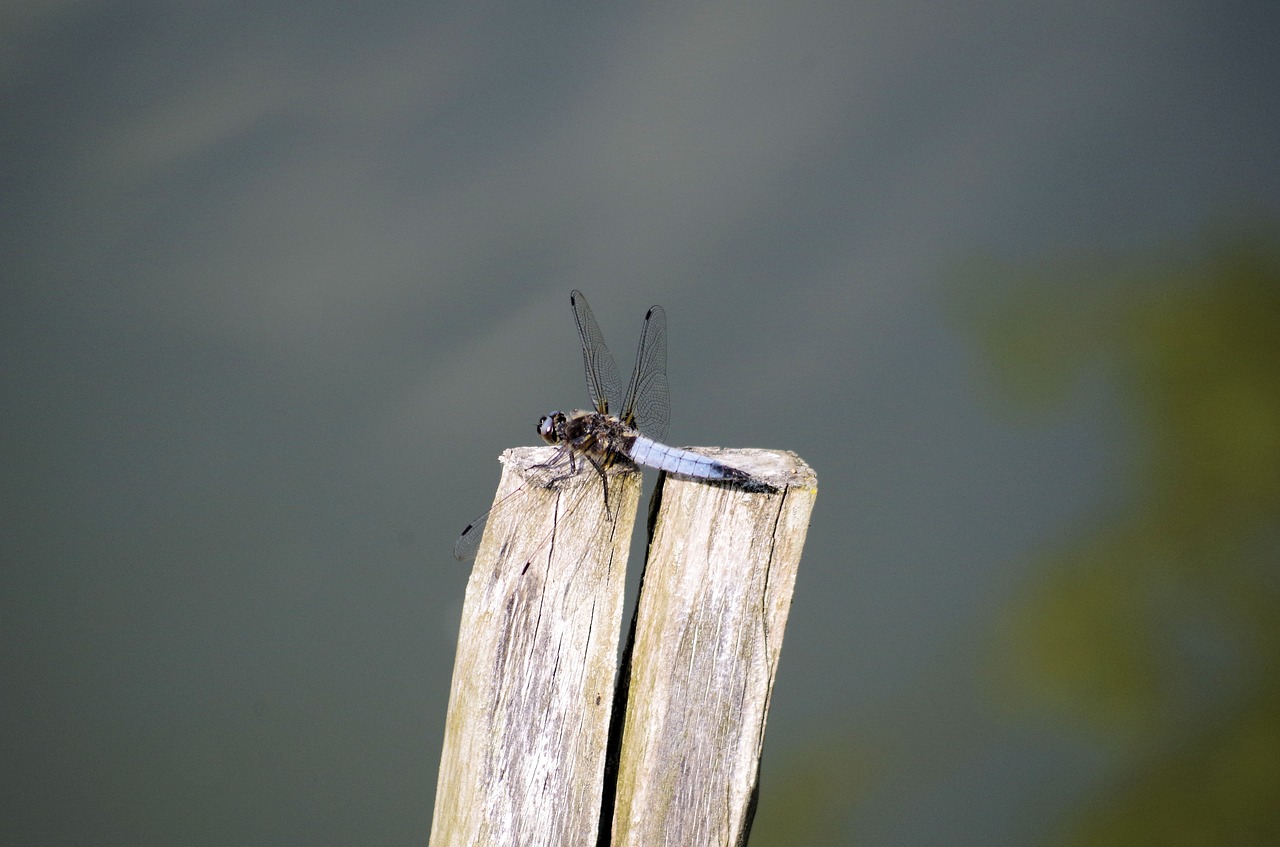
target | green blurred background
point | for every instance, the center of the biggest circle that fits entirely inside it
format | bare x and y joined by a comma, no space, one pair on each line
280,281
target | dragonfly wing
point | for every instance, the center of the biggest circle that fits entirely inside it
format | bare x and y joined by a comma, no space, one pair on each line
557,469
464,549
512,509
603,381
648,401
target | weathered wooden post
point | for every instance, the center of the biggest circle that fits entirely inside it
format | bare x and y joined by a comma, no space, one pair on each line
524,758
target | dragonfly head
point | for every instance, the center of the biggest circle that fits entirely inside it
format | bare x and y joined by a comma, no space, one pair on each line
551,427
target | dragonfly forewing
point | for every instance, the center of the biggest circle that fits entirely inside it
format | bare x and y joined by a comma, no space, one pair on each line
603,383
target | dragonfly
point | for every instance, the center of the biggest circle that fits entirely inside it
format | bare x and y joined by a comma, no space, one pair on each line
601,437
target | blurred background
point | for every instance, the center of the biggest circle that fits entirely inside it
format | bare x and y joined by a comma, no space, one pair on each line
280,281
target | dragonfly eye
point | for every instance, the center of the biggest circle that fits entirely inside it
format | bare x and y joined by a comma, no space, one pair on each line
547,429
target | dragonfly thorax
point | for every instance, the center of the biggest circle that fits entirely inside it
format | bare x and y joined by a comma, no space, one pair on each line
602,437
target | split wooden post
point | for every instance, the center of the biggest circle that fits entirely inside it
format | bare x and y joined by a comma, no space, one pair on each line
524,759
524,744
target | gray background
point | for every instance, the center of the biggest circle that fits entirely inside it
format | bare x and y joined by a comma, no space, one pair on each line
279,282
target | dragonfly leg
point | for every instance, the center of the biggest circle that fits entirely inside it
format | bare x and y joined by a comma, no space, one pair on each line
558,459
604,479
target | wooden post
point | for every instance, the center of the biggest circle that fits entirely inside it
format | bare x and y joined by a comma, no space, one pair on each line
704,652
524,758
524,745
